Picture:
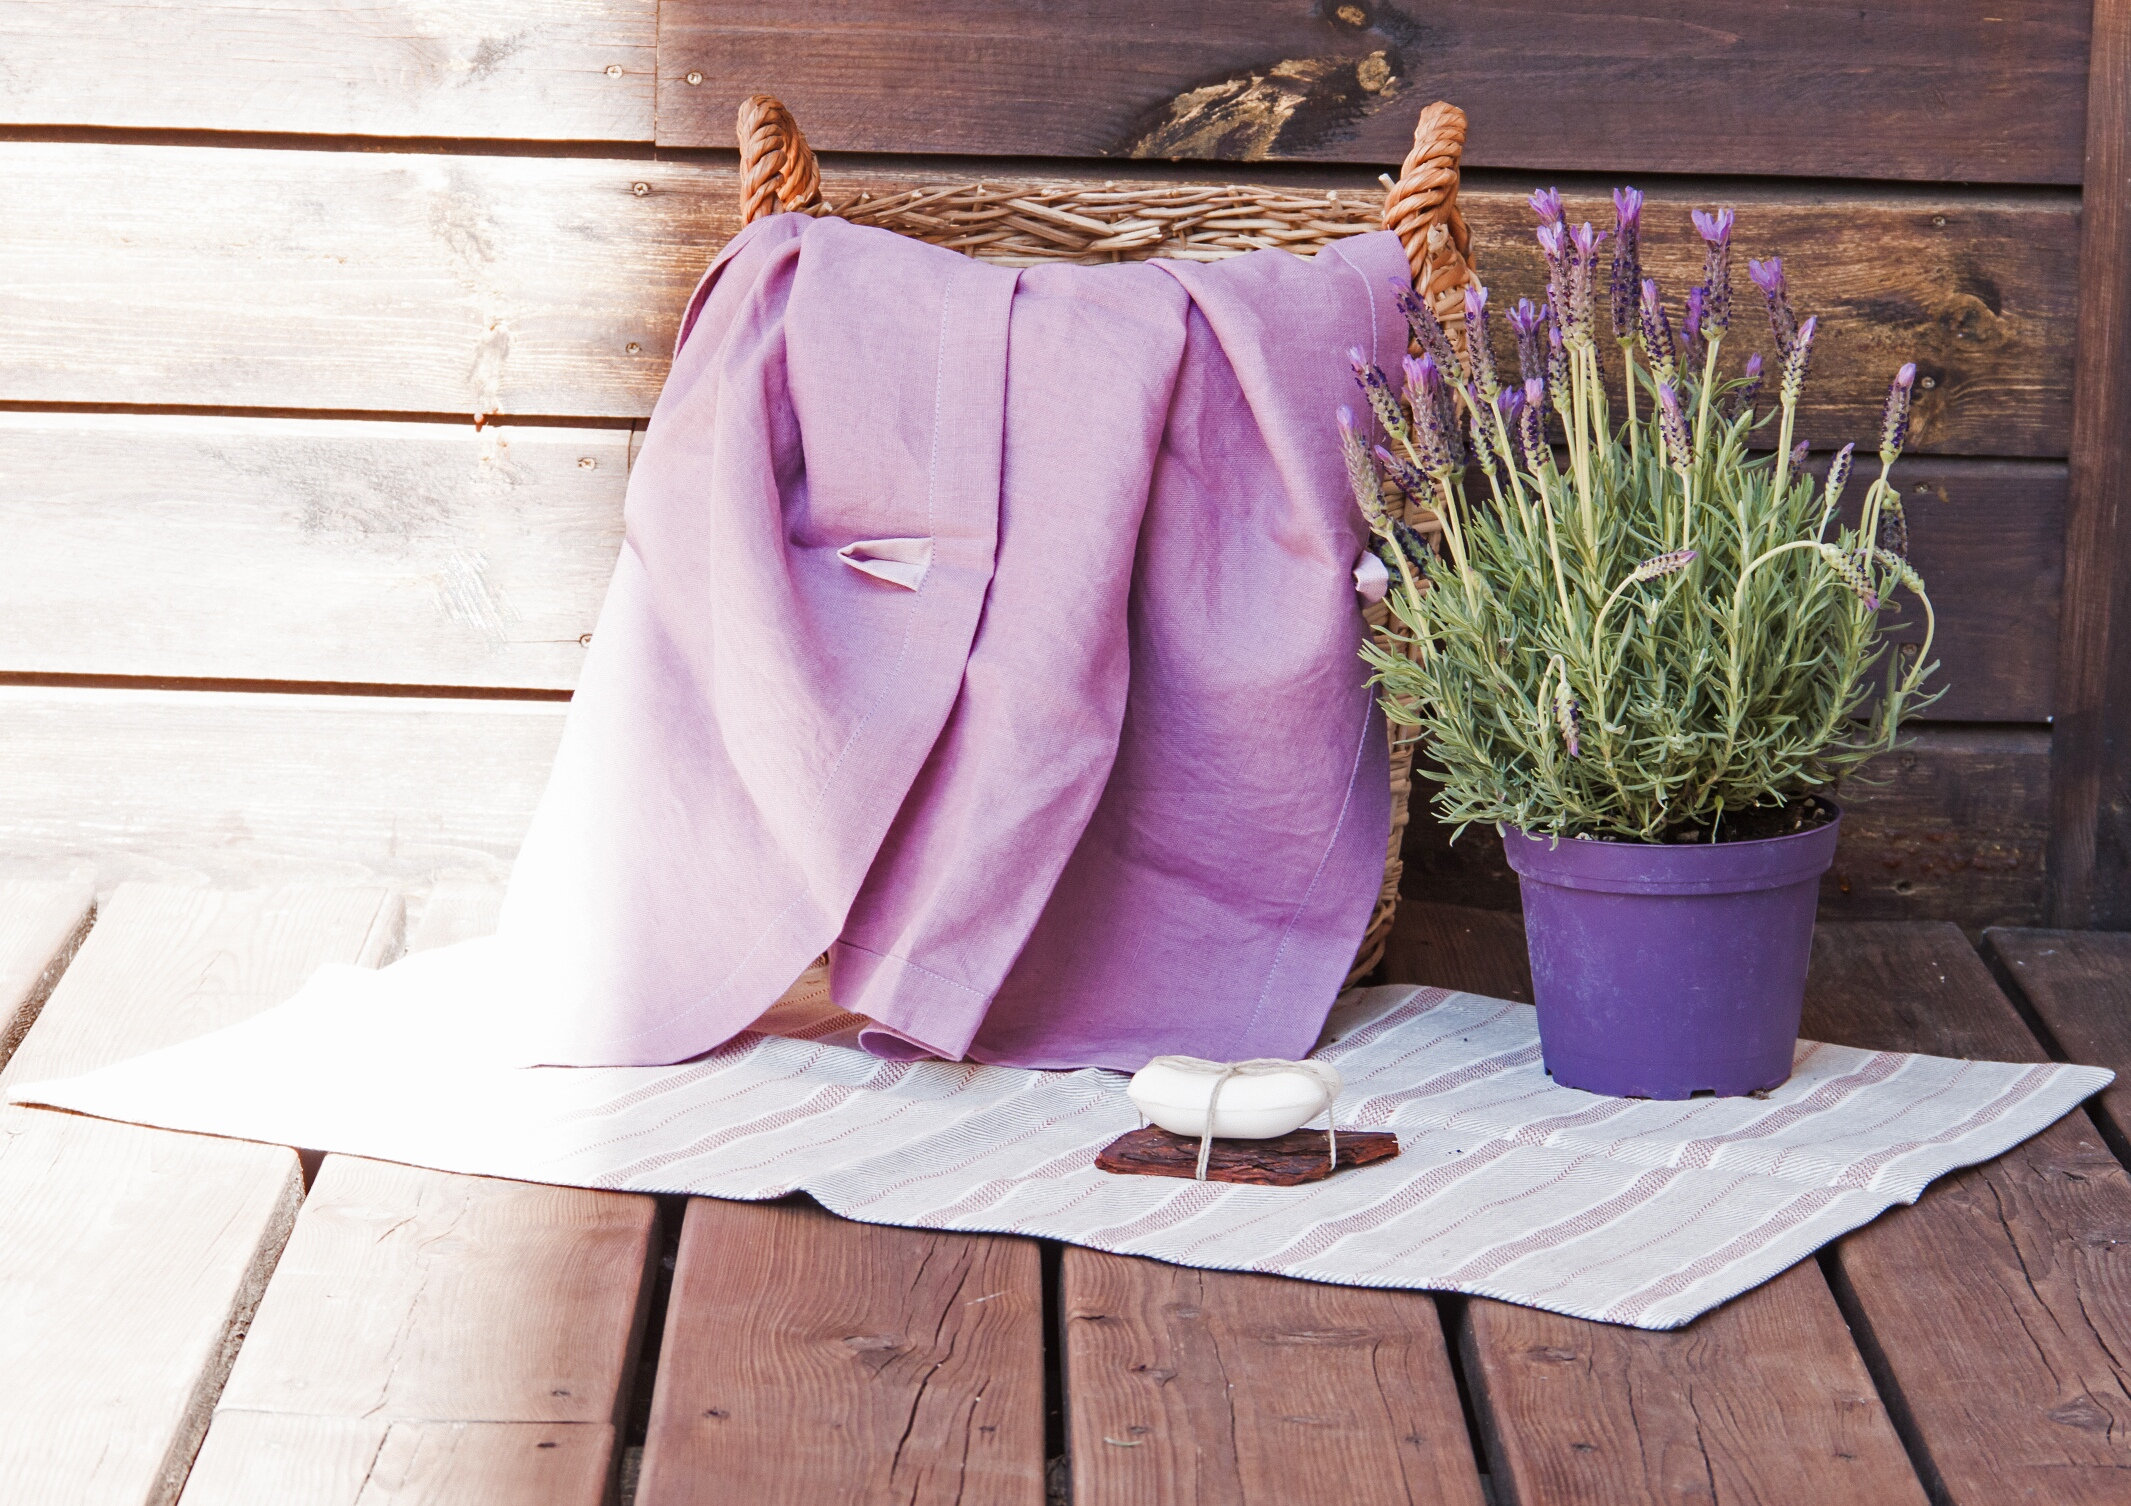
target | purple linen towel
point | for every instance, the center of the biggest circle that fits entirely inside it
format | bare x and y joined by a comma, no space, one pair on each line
995,631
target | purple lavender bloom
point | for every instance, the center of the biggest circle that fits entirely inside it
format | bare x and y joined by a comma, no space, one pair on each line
1428,330
1361,474
1839,474
1410,480
1480,441
1376,387
1893,527
1672,423
1565,716
1794,362
1557,361
1527,320
1716,271
1531,426
1894,422
1546,203
1663,564
1627,260
1480,341
1799,451
1657,335
1424,389
1847,572
1742,397
1768,277
1691,326
1583,275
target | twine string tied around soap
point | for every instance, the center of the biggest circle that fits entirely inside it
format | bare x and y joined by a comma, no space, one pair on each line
1261,1067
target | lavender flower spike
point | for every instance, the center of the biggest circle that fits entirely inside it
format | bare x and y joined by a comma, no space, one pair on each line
1565,716
1662,564
1794,362
1554,242
1424,386
1376,387
1531,427
1657,336
1799,451
1691,326
1672,423
1838,476
1480,341
1716,271
1894,423
1526,319
1427,329
1753,380
1583,275
1847,572
1361,473
1557,363
1768,277
1627,260
1546,203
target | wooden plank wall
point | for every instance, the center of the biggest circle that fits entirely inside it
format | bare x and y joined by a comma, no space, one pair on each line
272,601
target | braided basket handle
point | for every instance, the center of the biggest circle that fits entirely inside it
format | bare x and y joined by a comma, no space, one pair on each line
778,174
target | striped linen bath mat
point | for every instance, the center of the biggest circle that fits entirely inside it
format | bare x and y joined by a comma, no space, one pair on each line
1627,1211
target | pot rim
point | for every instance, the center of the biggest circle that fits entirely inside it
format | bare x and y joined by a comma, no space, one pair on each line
1618,867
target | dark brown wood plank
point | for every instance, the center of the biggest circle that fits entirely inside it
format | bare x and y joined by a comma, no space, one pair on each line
1210,1386
1908,90
544,70
1979,292
2090,835
1765,1399
414,283
1950,826
2078,983
1997,1310
808,1359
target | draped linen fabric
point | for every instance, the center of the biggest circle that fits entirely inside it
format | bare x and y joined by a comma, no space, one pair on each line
994,631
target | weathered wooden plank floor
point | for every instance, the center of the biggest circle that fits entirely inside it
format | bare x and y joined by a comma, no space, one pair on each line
184,1320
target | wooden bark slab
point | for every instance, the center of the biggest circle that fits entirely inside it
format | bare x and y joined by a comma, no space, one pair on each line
1212,1386
1766,1398
1997,1310
553,70
808,1359
1923,91
2078,983
480,1334
1283,1161
366,282
130,1258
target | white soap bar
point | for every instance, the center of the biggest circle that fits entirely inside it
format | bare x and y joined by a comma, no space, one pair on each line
1259,1099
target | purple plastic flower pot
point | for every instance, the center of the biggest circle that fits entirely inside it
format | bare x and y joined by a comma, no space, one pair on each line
1667,971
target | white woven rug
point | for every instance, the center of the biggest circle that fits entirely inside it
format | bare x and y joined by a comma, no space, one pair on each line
1622,1210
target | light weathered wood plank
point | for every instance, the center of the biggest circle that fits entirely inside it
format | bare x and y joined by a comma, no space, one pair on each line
277,1459
42,923
130,1258
1907,90
437,284
241,786
808,1359
464,1328
291,550
1766,1398
430,554
1997,1309
551,70
2079,985
1187,1385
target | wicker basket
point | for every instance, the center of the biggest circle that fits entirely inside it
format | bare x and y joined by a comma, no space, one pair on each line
1024,224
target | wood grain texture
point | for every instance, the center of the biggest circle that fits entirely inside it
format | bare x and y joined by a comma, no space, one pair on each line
1950,826
2078,983
277,1459
131,1258
808,1359
477,1335
551,70
1765,1399
1996,1310
42,924
2090,816
1213,1386
1979,292
291,550
241,787
1921,91
383,282
431,554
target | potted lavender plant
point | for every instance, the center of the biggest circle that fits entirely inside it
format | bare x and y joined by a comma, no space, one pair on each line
1644,650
